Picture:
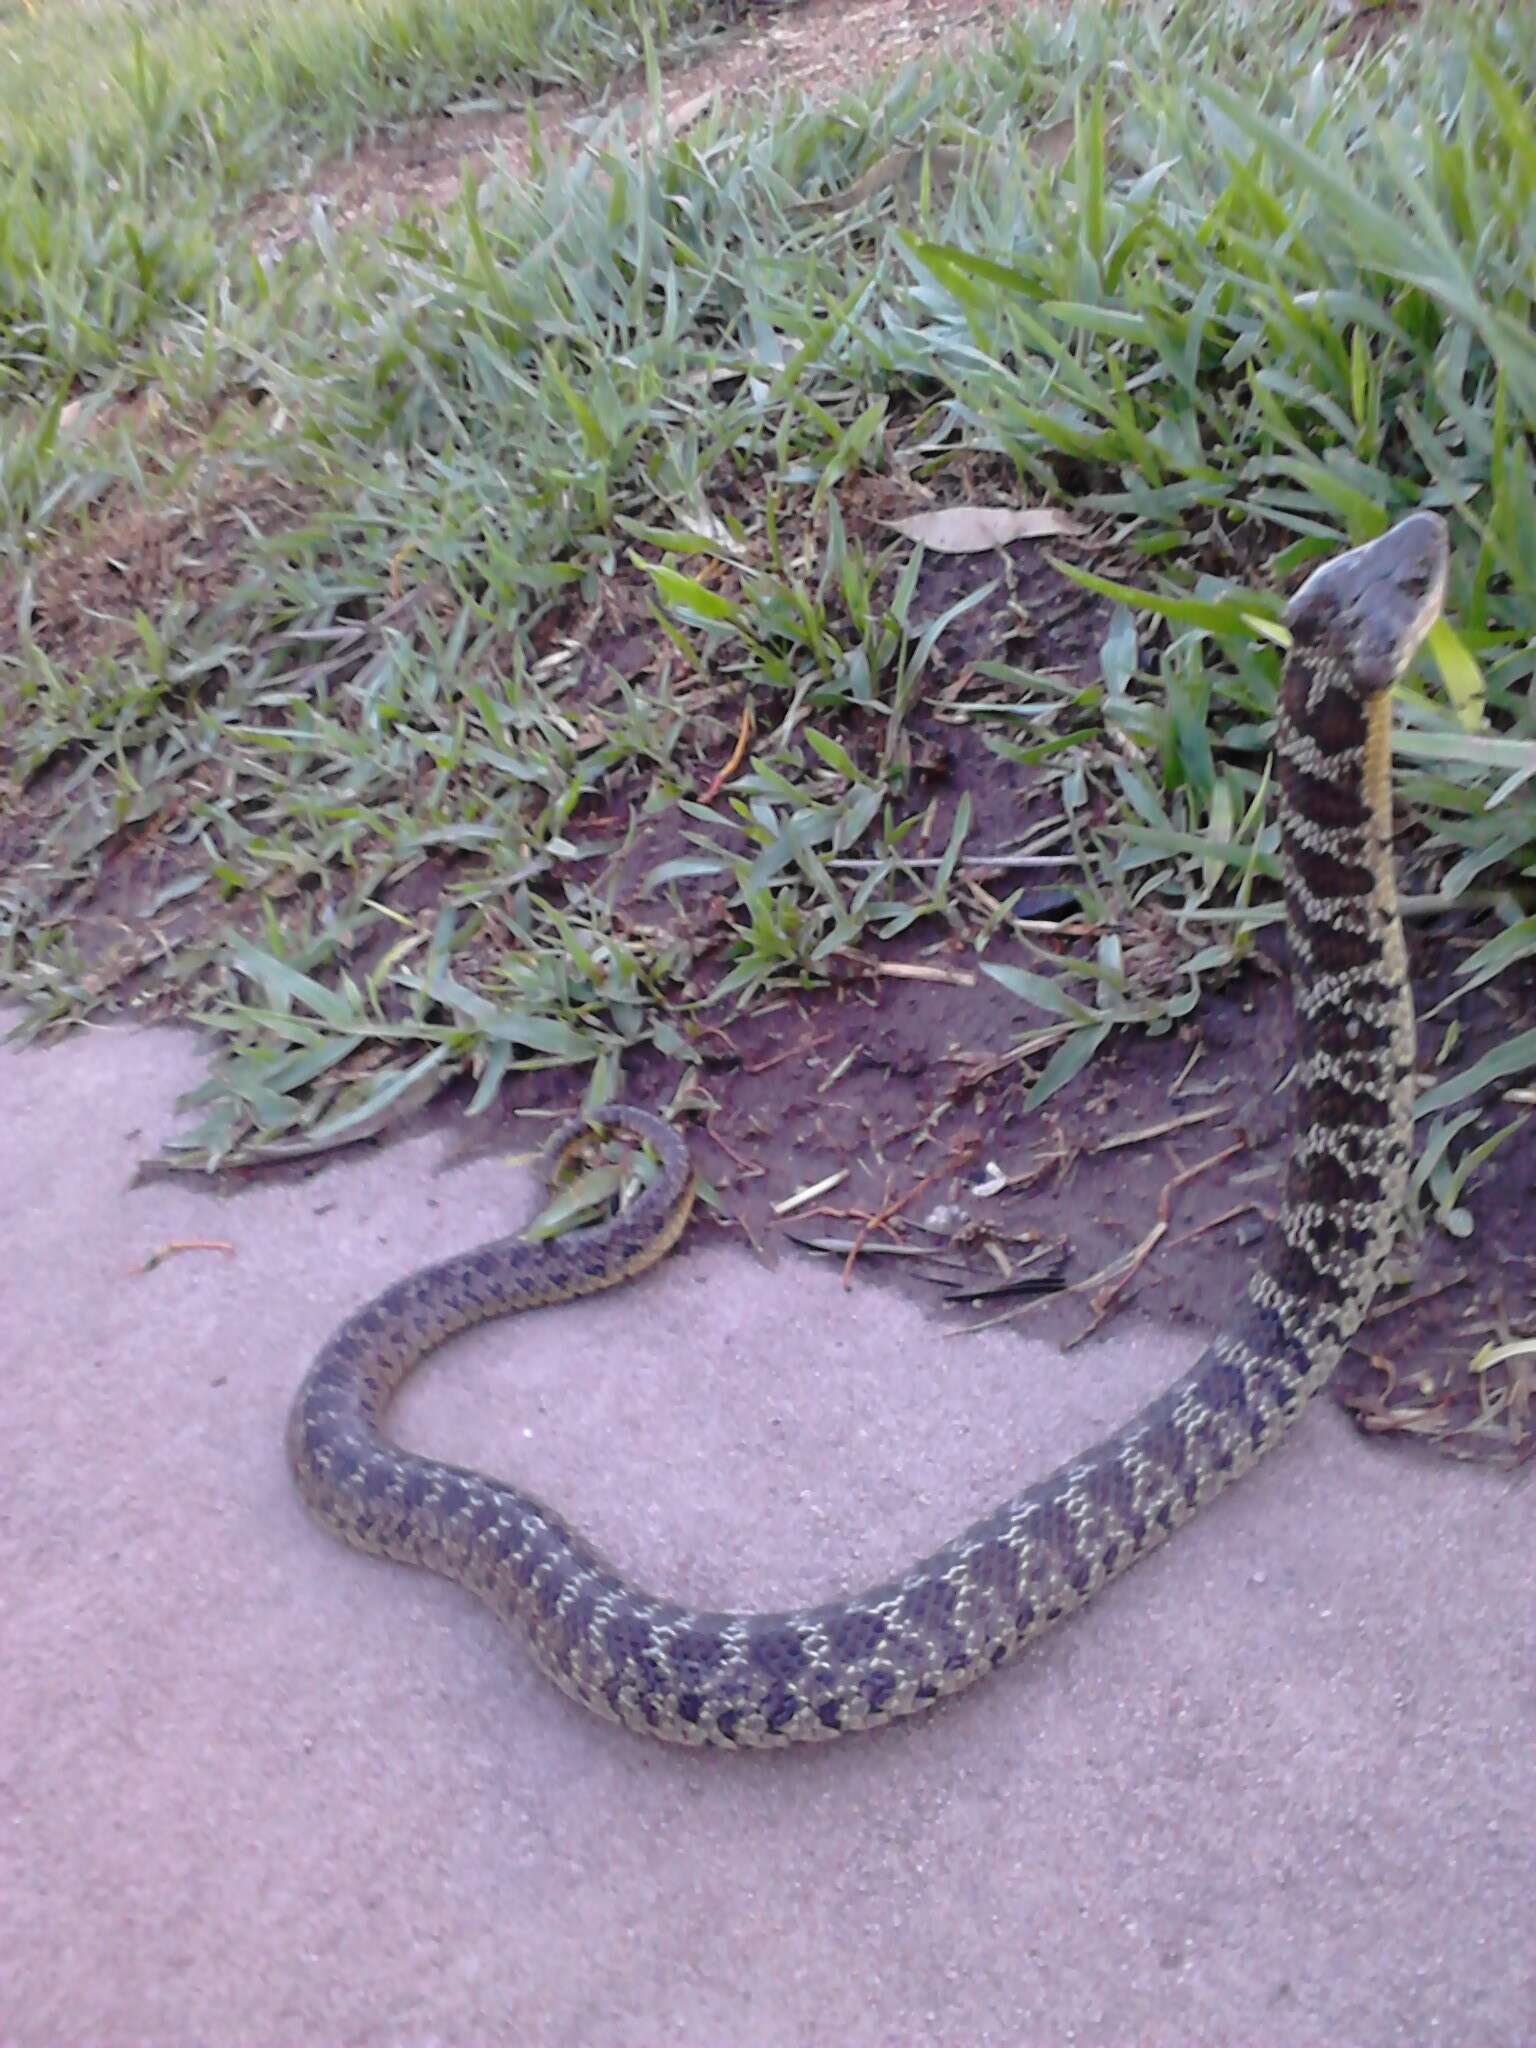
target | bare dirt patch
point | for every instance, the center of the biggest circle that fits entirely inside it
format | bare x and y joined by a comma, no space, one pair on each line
898,1088
816,47
83,605
135,560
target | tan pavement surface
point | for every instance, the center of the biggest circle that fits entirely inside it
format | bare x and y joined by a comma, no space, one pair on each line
1278,1786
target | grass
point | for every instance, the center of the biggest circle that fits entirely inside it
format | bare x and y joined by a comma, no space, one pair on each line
132,131
568,690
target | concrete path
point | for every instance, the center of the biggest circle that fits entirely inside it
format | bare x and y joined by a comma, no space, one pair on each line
1277,1787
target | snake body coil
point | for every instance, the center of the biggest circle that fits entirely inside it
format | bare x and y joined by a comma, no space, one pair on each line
763,1680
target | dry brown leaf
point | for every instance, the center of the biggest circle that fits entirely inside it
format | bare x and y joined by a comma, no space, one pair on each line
1053,144
673,120
899,169
968,529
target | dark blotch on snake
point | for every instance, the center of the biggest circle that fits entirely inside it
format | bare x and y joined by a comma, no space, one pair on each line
779,1652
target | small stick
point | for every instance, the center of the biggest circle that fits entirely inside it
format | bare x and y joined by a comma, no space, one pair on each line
750,1167
870,1251
1131,1261
790,1052
883,1216
977,860
896,970
802,1197
1143,1137
1395,1308
1027,1280
1104,1300
1215,1223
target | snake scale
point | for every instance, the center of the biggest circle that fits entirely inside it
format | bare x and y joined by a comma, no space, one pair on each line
762,1680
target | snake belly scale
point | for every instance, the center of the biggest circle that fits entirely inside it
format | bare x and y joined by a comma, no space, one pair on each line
737,1680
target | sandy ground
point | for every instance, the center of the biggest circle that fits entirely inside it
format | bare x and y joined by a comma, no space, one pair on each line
1276,1787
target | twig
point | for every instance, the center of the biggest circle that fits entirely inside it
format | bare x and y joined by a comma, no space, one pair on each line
1025,1281
898,970
1121,1271
839,1245
803,1196
763,1066
1131,1264
883,1216
1162,1130
1215,1223
966,860
751,1167
1395,1308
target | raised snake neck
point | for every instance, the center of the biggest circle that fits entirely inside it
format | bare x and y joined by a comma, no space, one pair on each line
813,1673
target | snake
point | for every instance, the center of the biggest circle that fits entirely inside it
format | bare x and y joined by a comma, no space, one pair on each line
747,1680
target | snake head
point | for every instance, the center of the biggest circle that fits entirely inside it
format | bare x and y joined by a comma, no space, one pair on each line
1370,609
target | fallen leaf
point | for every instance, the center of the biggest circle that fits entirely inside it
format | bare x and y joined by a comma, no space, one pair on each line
1052,144
673,120
899,169
968,529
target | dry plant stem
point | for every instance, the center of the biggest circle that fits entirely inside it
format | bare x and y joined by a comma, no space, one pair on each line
898,970
1215,1222
1104,1300
1120,1271
1150,1131
183,1244
1448,1285
883,1216
749,1168
737,756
